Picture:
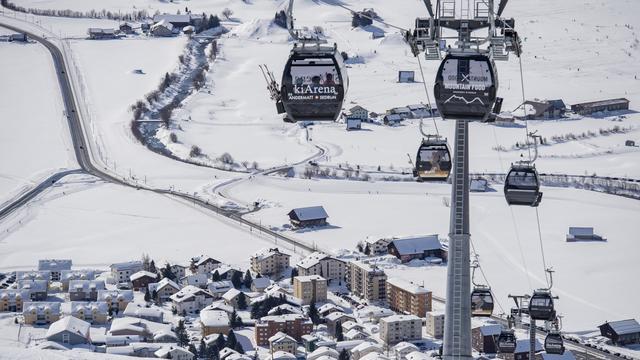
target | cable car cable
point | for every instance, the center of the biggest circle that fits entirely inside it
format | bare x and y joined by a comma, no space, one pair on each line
426,91
544,261
484,276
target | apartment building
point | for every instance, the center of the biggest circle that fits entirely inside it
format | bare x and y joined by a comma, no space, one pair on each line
397,328
269,261
310,289
408,298
324,265
434,324
366,280
294,325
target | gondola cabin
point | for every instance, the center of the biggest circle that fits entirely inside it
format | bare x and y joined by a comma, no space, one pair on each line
466,86
553,343
433,160
522,185
314,83
481,301
541,306
507,342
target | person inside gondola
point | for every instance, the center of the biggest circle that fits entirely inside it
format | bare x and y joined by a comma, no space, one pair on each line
329,79
522,178
435,161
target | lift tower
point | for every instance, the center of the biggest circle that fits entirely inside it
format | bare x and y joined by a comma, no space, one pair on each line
465,90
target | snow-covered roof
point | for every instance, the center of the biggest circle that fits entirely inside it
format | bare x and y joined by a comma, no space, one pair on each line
54,265
11,294
373,311
189,292
282,355
33,275
89,306
220,286
374,356
40,307
367,346
138,310
399,318
490,329
33,285
567,355
407,286
223,269
309,278
214,318
404,346
205,259
327,307
86,285
125,295
162,23
323,351
140,274
219,305
70,324
66,275
266,253
285,308
128,265
281,337
354,333
622,327
162,284
283,318
309,213
334,316
581,231
172,349
400,110
417,355
356,108
416,244
261,283
349,325
173,18
375,239
522,345
313,260
231,294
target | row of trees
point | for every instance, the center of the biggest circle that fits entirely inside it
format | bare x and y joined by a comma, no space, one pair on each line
93,14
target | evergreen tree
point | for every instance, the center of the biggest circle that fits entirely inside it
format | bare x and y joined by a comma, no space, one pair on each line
152,267
294,273
231,340
344,355
215,276
236,279
238,348
192,349
313,313
220,342
154,295
167,272
242,301
110,311
202,350
247,279
147,295
339,335
181,333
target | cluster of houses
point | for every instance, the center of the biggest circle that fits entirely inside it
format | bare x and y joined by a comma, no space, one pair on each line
161,25
358,114
555,109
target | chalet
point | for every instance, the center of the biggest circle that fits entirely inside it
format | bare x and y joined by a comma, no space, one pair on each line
206,264
100,34
55,267
260,284
126,28
40,313
219,288
162,28
269,261
374,245
178,270
285,309
583,234
68,275
358,112
173,352
602,105
323,353
38,289
116,299
308,217
402,349
151,313
419,111
335,319
622,332
214,322
91,312
224,272
392,119
282,342
366,348
327,309
85,290
177,21
199,280
69,330
164,289
545,109
417,247
233,296
483,338
355,334
121,272
145,329
191,299
220,305
142,279
353,123
403,111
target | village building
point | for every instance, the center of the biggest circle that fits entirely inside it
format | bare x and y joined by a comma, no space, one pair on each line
308,217
219,288
323,353
126,28
292,324
191,299
285,309
589,108
434,324
224,272
358,112
583,234
544,109
355,334
214,322
145,329
12,300
91,312
392,119
162,29
174,353
353,123
198,280
206,265
176,20
374,245
419,111
397,328
116,299
372,313
622,332
366,280
282,342
67,275
149,312
179,271
402,349
310,289
100,34
260,284
85,290
69,330
142,279
233,296
269,261
366,348
483,338
335,319
164,289
403,111
38,289
121,272
327,309
408,298
417,247
40,313
55,267
319,263
43,275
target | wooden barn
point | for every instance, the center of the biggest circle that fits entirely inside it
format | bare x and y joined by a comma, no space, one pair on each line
417,247
308,216
622,332
602,105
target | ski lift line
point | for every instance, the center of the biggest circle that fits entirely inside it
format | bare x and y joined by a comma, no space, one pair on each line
544,261
372,18
524,261
524,108
484,276
426,91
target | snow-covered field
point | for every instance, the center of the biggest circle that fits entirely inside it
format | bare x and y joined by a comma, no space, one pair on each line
34,141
